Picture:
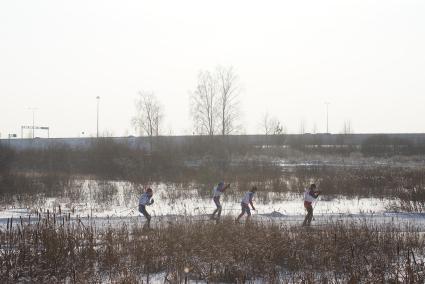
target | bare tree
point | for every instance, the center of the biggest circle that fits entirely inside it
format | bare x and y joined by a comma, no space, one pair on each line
271,125
346,130
228,91
204,104
279,128
302,127
347,127
314,130
148,116
214,103
265,124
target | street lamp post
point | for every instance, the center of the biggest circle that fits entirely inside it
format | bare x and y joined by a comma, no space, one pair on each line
327,117
97,120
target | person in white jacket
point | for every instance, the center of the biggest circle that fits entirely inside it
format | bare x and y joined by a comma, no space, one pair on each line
146,200
246,201
310,195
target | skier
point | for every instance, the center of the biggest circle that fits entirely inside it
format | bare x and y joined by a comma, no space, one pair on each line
310,194
218,191
246,201
146,200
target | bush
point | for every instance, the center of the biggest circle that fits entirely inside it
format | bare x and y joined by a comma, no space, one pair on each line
383,145
7,156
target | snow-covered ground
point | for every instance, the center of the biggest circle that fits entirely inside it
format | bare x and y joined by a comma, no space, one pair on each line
171,201
174,204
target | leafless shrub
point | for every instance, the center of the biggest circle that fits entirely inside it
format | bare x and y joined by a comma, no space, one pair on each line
410,199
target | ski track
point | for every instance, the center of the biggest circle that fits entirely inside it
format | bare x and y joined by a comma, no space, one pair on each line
395,221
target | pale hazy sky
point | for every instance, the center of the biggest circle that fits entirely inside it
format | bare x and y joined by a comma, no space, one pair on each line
367,58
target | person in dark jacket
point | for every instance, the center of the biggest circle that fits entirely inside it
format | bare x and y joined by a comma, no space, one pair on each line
146,200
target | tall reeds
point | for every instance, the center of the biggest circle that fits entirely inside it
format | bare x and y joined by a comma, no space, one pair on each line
56,249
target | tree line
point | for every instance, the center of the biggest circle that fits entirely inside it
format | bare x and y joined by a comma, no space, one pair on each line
214,107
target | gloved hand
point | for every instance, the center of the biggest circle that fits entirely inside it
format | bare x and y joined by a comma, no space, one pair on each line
151,202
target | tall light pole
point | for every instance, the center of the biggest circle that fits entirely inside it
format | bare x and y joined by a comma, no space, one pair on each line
327,116
33,120
97,120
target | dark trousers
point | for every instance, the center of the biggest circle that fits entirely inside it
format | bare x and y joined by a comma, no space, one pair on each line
218,205
245,209
309,215
142,209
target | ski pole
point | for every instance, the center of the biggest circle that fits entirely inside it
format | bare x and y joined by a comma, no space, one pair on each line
315,203
124,210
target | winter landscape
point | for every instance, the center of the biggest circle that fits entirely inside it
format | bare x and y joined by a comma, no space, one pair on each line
212,141
66,223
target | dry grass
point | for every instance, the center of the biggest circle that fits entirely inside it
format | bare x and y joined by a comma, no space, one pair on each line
56,250
404,185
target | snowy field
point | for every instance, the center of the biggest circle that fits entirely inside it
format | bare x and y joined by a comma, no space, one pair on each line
178,204
93,229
